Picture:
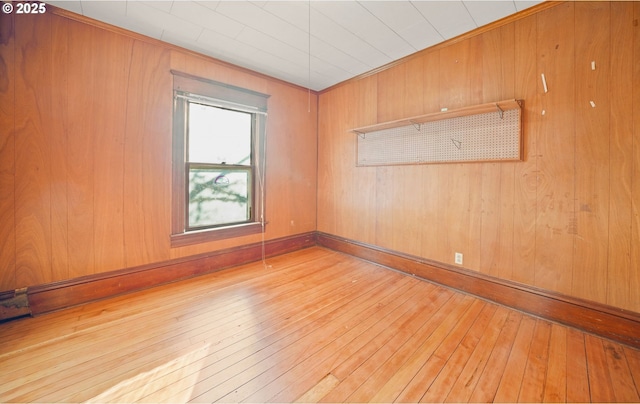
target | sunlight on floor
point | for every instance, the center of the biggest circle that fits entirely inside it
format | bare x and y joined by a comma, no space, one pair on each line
176,378
192,370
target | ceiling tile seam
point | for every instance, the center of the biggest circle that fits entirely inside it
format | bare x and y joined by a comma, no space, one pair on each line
270,68
204,4
167,14
358,36
200,35
470,14
263,10
305,50
208,26
390,29
428,21
197,36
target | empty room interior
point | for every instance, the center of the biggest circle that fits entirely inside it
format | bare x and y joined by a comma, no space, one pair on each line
320,201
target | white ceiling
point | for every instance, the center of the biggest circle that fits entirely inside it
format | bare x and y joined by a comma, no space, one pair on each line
314,44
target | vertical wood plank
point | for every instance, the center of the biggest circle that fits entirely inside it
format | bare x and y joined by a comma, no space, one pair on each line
474,170
147,156
32,150
278,208
82,108
526,175
415,82
497,213
391,100
407,236
362,203
634,281
108,154
279,199
291,129
302,110
555,226
336,158
592,176
346,174
60,35
619,263
327,121
429,180
385,200
7,153
458,199
392,93
343,157
453,184
399,95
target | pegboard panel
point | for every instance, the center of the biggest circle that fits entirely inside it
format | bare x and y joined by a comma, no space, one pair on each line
489,136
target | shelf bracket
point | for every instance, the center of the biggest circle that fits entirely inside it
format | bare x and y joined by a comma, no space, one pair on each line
415,125
360,134
500,111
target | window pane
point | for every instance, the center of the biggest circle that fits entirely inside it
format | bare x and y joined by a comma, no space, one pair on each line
218,197
219,136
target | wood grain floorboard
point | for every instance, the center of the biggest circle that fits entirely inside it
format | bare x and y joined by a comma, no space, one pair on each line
491,376
310,326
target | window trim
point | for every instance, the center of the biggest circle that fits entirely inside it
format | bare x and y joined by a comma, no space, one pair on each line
224,96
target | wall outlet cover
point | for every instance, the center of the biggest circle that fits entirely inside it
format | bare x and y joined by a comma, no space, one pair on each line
458,258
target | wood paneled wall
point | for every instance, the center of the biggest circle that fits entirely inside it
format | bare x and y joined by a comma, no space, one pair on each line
85,149
567,218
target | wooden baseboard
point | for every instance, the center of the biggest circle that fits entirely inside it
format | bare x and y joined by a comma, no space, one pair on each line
609,322
58,295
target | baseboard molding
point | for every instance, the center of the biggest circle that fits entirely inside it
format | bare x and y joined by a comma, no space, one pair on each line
59,295
609,322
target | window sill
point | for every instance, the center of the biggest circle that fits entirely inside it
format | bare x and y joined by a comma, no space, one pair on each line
221,233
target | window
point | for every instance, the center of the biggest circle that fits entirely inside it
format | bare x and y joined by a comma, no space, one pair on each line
218,161
219,166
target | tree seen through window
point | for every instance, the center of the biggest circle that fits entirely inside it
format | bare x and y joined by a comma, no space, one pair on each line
219,160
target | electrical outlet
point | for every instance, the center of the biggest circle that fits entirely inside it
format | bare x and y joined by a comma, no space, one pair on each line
458,258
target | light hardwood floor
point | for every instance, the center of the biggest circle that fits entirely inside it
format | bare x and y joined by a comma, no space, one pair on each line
313,325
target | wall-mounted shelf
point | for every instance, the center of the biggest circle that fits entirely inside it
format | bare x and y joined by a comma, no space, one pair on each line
486,132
